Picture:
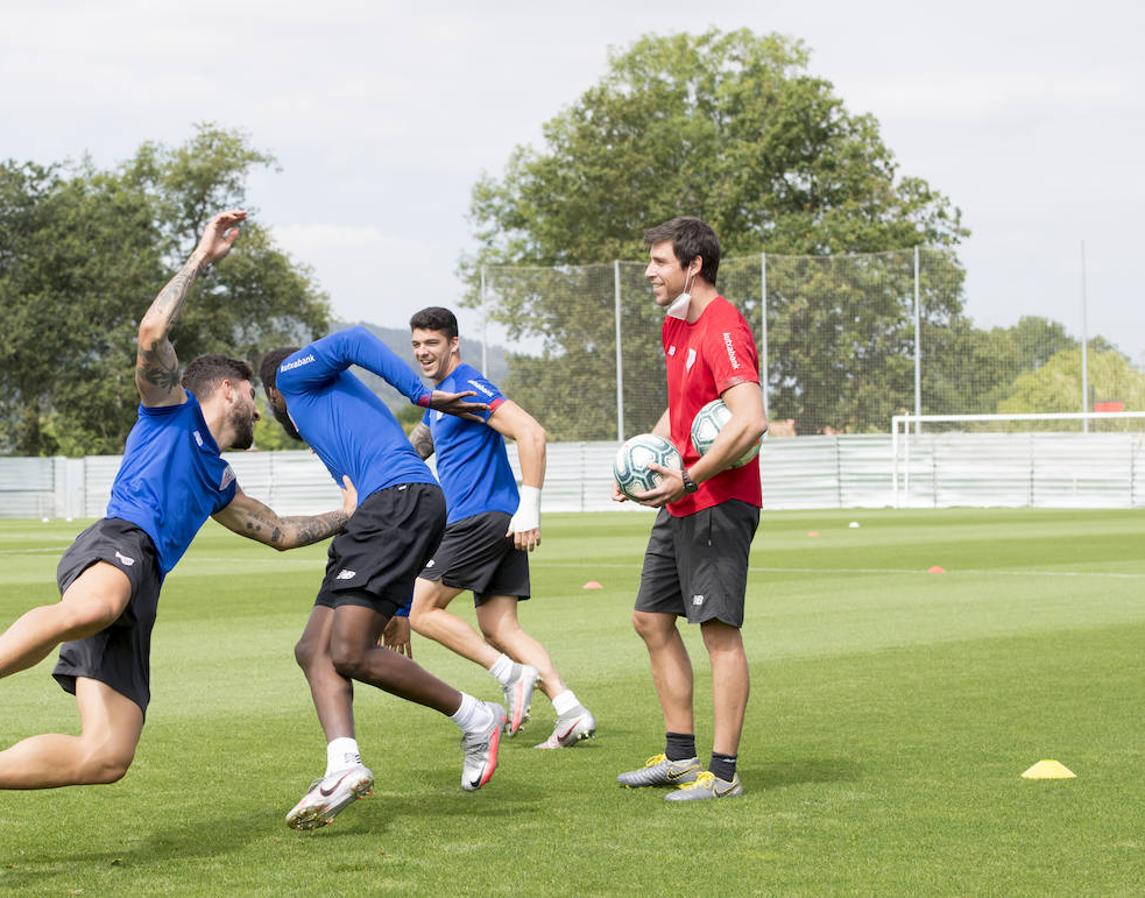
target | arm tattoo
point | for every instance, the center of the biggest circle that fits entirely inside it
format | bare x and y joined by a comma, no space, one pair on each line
309,529
157,364
169,302
422,441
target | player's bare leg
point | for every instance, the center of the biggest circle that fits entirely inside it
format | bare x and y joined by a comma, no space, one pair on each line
429,617
671,668
110,725
93,602
333,694
731,683
730,687
357,655
347,778
497,617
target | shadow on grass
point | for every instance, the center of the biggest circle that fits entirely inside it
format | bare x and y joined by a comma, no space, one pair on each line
187,841
778,774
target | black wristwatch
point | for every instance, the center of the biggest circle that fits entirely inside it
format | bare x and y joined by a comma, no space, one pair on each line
690,486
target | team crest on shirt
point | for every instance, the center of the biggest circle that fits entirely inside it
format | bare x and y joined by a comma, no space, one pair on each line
691,360
227,479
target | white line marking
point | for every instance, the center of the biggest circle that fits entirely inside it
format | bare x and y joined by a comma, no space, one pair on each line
978,572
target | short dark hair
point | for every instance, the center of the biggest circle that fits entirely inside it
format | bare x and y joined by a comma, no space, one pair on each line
206,372
435,318
268,367
690,237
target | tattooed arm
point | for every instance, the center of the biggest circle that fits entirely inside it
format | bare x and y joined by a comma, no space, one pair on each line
250,518
422,441
156,366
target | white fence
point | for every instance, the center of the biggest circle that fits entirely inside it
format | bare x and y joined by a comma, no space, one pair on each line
1056,470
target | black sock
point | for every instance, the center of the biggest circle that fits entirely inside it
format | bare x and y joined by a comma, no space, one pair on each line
681,746
723,766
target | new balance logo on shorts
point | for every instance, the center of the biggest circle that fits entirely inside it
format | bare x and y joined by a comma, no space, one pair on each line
697,600
430,563
123,559
346,574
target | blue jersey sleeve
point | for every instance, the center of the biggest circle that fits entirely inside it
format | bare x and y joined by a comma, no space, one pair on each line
323,360
486,391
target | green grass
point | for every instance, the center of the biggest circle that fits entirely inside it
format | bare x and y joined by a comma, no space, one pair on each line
892,712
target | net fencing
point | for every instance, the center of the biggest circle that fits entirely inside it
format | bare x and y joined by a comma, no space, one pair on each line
847,341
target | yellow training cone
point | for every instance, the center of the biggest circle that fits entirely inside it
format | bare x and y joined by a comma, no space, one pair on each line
1049,770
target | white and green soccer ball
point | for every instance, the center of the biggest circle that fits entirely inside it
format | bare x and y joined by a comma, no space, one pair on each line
708,423
631,470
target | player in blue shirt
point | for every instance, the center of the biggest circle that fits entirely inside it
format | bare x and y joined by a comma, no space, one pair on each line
491,529
171,479
372,565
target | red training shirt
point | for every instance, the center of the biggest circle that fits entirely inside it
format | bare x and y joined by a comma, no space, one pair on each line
705,358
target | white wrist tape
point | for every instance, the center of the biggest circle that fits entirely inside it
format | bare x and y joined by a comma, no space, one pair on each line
528,516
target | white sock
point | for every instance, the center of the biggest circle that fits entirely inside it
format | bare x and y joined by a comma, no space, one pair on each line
472,715
342,753
564,702
502,669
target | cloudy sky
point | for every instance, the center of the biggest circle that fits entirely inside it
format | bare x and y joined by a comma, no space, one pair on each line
382,115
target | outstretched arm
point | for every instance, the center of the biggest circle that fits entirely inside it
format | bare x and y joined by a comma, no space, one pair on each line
156,365
250,518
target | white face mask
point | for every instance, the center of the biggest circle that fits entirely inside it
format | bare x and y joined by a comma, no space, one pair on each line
679,307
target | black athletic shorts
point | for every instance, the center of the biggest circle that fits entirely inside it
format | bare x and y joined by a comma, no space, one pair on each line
374,561
119,655
476,554
696,566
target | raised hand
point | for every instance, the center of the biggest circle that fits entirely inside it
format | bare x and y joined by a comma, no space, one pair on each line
219,235
455,404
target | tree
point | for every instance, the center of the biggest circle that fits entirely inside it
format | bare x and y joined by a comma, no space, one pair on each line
82,253
1056,385
732,128
967,370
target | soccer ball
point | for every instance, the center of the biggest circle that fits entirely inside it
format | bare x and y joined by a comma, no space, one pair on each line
632,459
708,423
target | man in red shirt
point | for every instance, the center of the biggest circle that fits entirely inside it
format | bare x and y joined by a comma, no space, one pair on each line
697,558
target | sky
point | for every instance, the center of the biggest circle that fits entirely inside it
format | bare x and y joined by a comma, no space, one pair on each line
1028,116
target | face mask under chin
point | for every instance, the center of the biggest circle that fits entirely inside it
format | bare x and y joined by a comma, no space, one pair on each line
679,306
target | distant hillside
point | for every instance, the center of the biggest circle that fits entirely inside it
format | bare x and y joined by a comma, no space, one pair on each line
398,340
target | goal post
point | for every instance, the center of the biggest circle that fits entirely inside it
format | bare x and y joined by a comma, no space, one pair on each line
907,429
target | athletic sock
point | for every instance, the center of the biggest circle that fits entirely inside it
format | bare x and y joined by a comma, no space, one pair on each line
472,715
504,670
723,766
681,746
342,753
565,702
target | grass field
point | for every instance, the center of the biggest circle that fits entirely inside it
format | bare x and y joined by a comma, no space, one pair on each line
891,715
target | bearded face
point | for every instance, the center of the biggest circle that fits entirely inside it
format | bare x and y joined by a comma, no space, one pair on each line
242,420
278,409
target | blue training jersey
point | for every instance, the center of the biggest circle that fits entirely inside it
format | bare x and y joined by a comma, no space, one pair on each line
172,478
346,425
472,463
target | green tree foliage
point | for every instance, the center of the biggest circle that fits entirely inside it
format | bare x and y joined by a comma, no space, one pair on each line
730,127
83,251
967,370
1056,386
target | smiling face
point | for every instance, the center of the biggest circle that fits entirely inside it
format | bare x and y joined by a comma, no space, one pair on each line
435,353
666,275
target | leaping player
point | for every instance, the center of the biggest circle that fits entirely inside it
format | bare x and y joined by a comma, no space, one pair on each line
171,479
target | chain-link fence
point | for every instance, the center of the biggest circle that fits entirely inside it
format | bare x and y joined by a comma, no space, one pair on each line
847,342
